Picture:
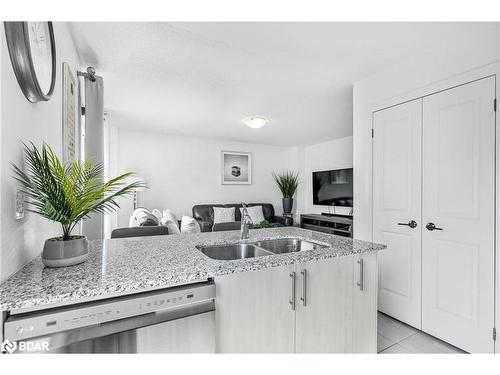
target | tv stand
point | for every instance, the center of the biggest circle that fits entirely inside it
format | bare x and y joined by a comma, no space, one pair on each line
340,225
335,215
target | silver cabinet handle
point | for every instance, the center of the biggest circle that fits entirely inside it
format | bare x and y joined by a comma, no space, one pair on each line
304,286
292,301
361,282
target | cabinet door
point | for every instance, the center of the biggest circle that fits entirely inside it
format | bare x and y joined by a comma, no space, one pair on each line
459,198
364,303
397,201
324,306
253,312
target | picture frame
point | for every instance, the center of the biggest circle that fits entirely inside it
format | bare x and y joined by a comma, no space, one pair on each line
236,168
69,129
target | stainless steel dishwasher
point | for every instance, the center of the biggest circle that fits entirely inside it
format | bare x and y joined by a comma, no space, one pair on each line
174,320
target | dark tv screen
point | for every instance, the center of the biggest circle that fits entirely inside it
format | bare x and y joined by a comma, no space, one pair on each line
333,188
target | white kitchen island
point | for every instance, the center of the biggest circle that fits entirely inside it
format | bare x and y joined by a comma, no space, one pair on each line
317,300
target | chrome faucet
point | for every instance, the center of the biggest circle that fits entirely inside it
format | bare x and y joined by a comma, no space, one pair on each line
246,222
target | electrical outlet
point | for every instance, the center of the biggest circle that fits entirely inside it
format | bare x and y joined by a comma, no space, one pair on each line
19,204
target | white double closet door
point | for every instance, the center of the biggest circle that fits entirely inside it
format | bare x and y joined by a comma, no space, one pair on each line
434,169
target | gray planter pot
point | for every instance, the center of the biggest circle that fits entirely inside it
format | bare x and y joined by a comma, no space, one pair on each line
287,205
59,253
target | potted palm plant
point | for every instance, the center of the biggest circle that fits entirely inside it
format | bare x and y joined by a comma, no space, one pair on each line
67,194
287,182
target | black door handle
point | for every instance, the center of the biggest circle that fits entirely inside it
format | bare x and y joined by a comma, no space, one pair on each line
432,226
412,224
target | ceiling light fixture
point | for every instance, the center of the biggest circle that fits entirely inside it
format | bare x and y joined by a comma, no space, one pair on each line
255,122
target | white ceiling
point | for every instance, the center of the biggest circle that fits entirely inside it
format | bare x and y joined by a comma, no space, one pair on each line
203,78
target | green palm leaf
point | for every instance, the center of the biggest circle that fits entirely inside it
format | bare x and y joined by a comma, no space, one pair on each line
68,193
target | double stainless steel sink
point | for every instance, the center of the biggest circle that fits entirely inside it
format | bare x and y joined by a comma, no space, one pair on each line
258,248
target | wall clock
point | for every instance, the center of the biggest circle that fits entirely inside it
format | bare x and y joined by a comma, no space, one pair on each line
32,52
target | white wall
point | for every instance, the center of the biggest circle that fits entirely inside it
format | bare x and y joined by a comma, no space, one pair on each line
21,120
466,52
334,154
184,171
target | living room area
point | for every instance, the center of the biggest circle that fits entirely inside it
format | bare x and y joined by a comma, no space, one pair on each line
184,176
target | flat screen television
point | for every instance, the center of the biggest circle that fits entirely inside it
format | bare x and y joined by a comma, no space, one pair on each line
333,188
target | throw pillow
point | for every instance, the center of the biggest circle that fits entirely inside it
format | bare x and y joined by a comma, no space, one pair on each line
169,214
146,219
169,220
132,222
171,226
255,213
223,215
189,225
157,213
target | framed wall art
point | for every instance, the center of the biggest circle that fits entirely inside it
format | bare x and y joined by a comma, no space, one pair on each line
236,168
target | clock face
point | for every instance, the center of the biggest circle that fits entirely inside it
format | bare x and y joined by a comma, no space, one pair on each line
41,53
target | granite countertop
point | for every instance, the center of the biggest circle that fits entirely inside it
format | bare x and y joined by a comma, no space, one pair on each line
131,265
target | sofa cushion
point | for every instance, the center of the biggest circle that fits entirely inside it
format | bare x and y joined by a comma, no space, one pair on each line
234,225
206,226
223,214
267,210
189,225
205,212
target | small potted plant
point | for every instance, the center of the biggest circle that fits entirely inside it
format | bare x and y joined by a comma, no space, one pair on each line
287,182
264,224
67,194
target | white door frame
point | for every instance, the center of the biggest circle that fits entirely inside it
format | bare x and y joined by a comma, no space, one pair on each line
445,84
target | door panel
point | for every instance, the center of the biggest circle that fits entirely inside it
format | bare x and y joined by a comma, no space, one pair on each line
397,199
460,273
458,196
393,281
324,324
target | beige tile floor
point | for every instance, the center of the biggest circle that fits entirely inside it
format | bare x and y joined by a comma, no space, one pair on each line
397,337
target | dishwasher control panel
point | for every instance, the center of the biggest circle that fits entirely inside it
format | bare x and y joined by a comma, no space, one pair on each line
30,325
